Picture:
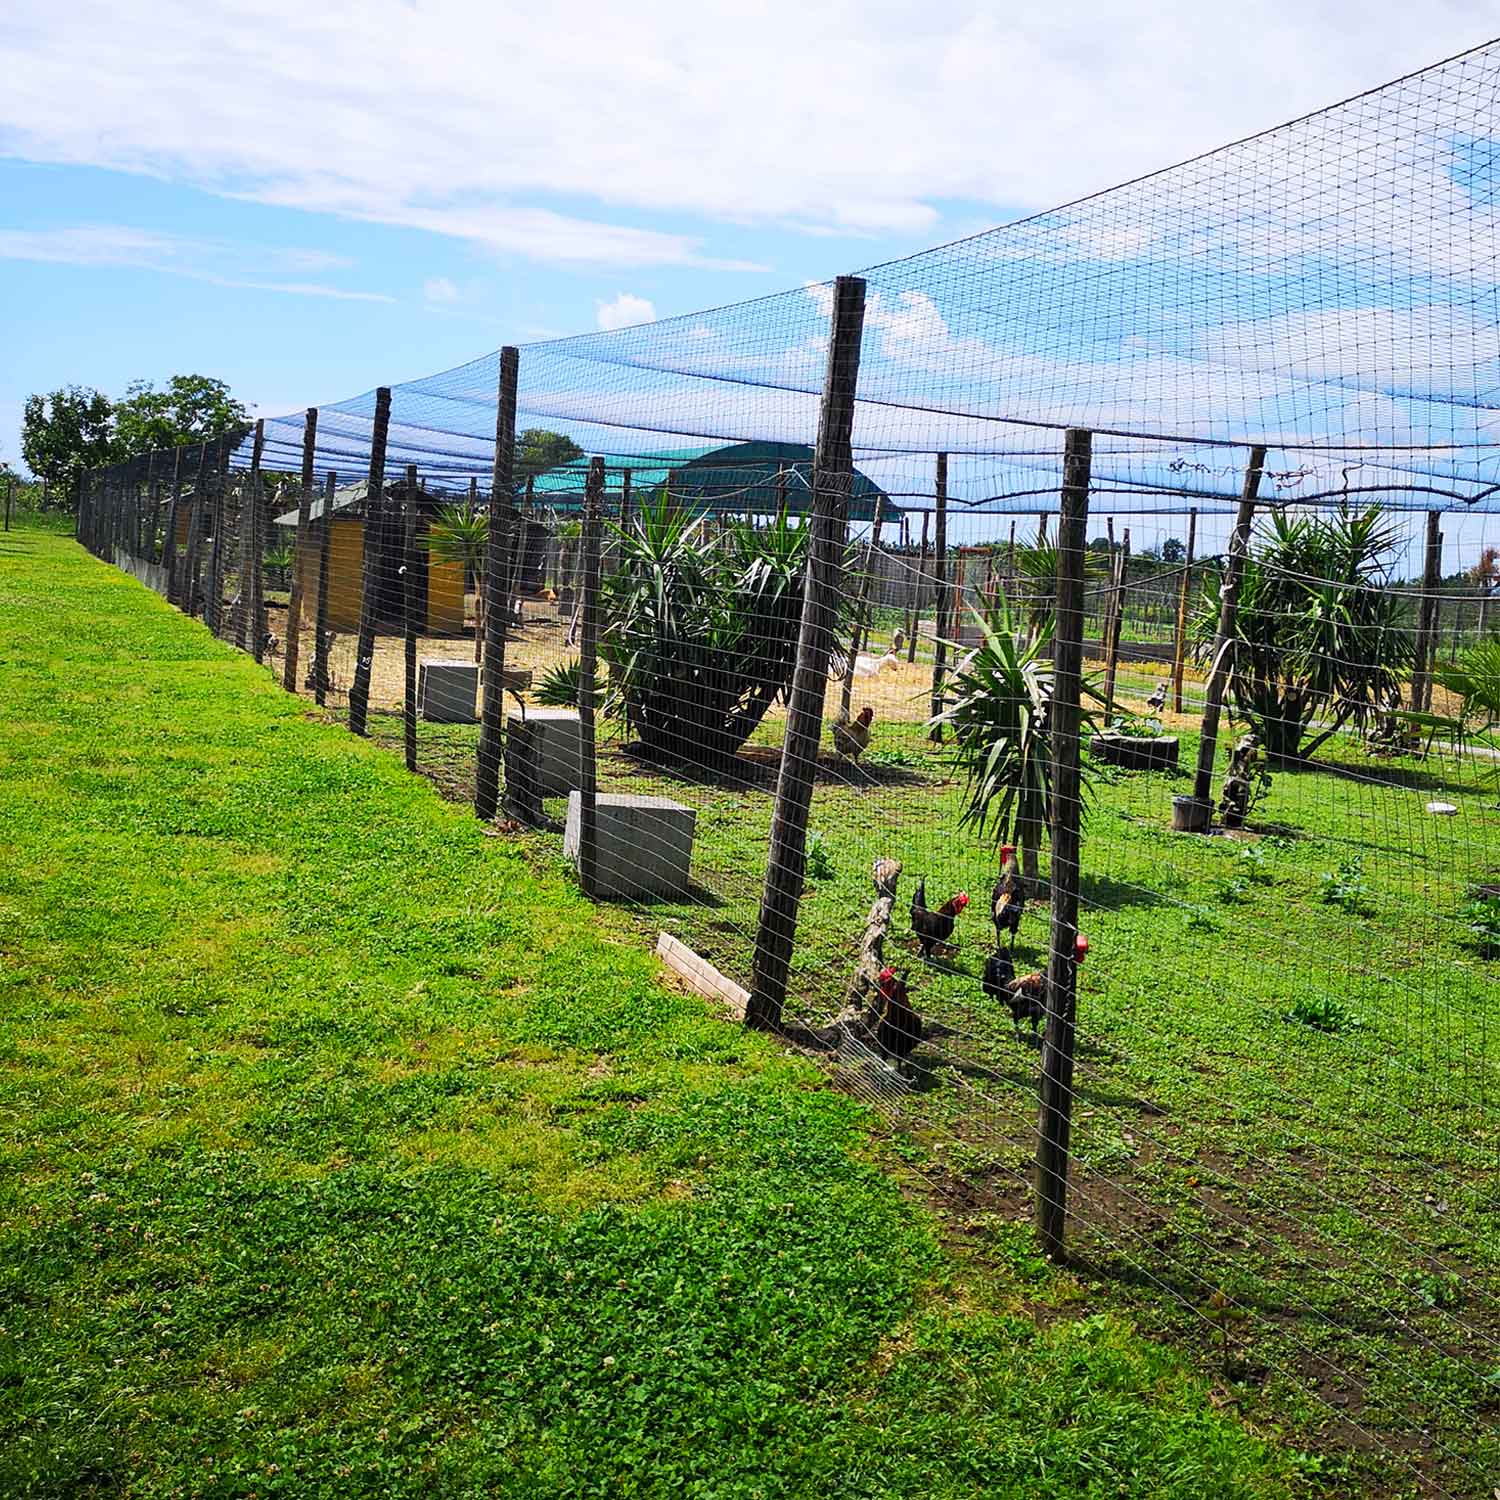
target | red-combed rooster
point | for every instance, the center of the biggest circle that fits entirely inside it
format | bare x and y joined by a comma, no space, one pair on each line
1008,900
899,1027
934,927
1026,996
852,738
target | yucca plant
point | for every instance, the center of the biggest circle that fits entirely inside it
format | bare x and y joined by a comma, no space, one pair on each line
277,562
998,707
700,637
1319,635
460,534
559,685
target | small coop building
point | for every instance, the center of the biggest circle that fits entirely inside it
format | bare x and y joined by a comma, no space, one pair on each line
352,524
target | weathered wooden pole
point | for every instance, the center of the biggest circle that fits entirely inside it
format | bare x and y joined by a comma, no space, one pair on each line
320,613
409,605
10,495
213,593
914,614
300,559
940,627
588,658
1427,643
625,500
1118,564
496,589
369,601
1218,676
833,477
197,513
249,613
169,541
1055,1114
1184,592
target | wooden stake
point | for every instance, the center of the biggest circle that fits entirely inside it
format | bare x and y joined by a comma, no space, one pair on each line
10,495
409,618
1427,616
320,614
1218,677
213,599
588,648
169,541
197,514
249,616
1055,1116
301,559
1179,644
496,589
369,602
1118,563
940,626
833,477
914,615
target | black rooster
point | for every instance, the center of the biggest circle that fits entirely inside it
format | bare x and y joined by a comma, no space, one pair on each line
899,1027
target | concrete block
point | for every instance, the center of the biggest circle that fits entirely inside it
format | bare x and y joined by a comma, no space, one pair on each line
556,760
645,844
447,691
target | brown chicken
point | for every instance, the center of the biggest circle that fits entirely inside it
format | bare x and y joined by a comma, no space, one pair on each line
934,927
899,1028
1008,899
851,738
1026,996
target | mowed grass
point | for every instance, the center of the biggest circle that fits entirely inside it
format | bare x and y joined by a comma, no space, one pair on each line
345,1153
1286,1134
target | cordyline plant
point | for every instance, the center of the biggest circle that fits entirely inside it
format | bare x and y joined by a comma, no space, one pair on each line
700,638
460,534
998,705
1321,639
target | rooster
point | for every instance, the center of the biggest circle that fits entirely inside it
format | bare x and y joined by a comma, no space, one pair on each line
1158,699
899,1027
934,927
1026,996
851,738
1008,900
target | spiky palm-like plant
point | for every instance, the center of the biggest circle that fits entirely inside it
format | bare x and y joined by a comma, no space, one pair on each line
460,534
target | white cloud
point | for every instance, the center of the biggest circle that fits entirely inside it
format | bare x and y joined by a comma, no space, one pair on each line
440,290
843,116
248,268
625,312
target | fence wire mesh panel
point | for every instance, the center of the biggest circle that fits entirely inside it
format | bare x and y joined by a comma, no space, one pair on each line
1196,476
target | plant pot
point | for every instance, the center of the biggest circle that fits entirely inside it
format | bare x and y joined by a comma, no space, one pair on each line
1133,753
1189,815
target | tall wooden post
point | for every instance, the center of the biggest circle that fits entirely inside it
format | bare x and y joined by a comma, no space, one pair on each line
833,477
1184,592
10,496
1118,564
369,602
249,615
1055,1115
940,626
169,541
320,614
588,654
1427,642
625,500
300,559
409,605
197,515
1218,676
497,588
914,615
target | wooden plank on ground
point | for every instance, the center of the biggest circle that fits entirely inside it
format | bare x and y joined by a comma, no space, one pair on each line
701,977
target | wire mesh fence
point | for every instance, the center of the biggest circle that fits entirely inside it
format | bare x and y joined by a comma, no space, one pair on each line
1051,680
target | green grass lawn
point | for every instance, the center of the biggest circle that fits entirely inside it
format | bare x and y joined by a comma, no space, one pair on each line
1286,1102
347,1152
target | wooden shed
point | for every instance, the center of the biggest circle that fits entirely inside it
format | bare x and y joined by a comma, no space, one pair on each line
350,525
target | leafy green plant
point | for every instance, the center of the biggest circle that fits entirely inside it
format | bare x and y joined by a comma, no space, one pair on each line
893,757
460,534
1201,919
559,685
820,865
1481,918
1322,1013
1133,727
1233,891
1475,679
1251,866
1346,887
277,562
1318,634
998,707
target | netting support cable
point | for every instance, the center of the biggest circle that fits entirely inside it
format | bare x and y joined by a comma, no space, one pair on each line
588,662
833,477
1055,1113
1218,677
300,559
369,601
495,591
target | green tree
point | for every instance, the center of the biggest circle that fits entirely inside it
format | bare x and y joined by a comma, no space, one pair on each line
65,432
538,450
1172,550
1319,637
190,409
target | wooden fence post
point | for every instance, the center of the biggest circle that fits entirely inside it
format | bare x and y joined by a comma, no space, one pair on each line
496,587
940,626
169,541
1055,1115
914,615
196,514
1427,615
320,614
410,560
300,557
833,474
249,612
10,495
1218,677
1119,562
369,602
588,652
1184,591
